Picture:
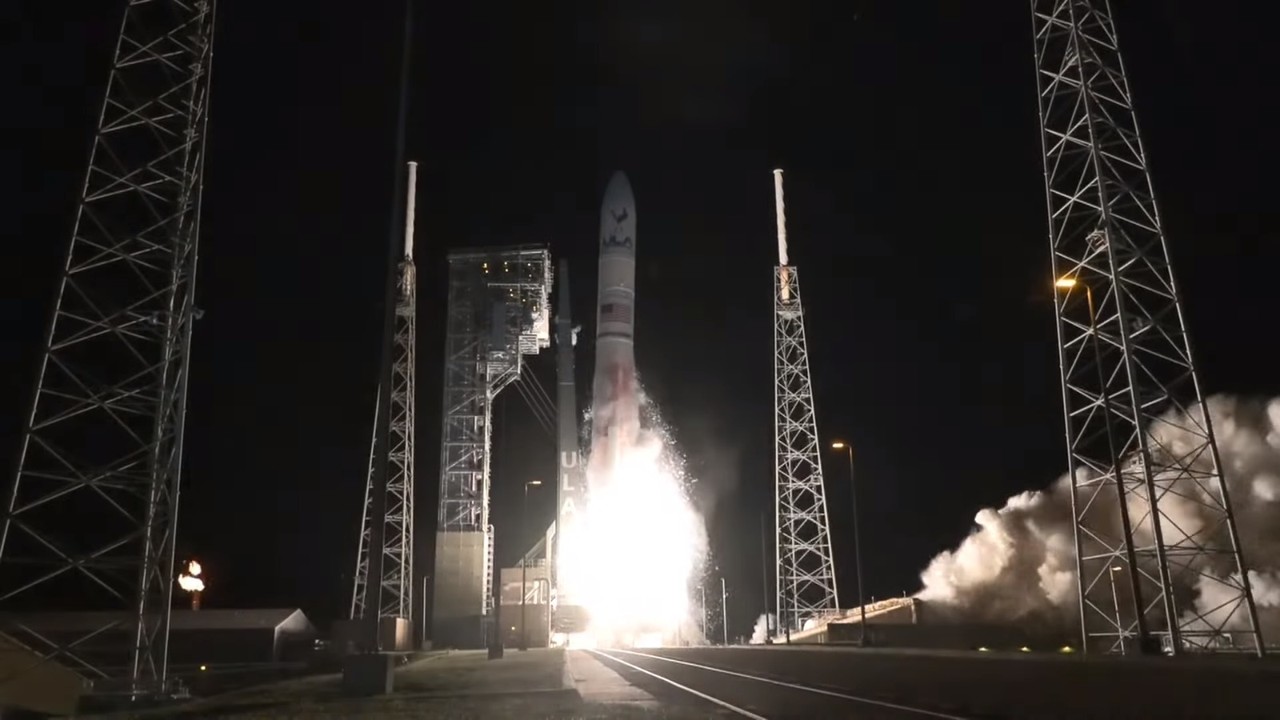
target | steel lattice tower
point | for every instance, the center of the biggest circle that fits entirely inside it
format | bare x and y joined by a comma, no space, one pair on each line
396,538
91,521
1136,421
805,569
499,311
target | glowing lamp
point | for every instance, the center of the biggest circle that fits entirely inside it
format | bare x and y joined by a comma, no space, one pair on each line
1066,283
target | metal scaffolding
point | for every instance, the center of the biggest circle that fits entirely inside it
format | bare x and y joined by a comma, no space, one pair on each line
396,517
1136,421
805,569
91,521
499,311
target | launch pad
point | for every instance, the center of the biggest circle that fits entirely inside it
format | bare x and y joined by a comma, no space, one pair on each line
498,312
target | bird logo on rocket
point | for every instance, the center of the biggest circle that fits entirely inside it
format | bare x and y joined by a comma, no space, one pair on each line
618,223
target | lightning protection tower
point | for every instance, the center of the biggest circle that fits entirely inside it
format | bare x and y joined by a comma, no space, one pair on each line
805,569
91,520
1136,421
394,515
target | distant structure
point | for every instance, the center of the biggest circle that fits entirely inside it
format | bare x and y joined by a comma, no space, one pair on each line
499,311
91,521
571,487
805,569
386,530
1126,361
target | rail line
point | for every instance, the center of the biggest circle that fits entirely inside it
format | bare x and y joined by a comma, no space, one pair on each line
747,713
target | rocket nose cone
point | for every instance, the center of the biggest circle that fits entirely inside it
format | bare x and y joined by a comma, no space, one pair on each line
618,191
618,217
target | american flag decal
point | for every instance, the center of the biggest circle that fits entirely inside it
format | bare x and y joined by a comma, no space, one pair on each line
615,313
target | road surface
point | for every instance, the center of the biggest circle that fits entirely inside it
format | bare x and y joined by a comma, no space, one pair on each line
778,682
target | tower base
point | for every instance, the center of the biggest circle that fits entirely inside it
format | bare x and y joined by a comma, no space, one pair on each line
459,591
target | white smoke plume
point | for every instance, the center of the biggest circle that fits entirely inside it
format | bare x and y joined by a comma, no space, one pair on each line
1018,565
765,625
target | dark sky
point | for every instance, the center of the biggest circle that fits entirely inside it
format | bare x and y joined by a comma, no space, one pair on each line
915,208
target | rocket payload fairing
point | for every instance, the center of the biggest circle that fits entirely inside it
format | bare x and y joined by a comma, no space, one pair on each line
615,402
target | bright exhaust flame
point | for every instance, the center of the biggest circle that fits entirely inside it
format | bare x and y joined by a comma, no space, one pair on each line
191,581
637,549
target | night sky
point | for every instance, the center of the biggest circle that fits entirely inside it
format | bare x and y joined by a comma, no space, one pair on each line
915,208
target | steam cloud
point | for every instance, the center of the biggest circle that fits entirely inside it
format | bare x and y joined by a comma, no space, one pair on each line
765,625
1018,565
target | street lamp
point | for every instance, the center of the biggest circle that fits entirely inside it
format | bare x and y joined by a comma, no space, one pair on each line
1067,283
724,612
1115,600
857,541
524,566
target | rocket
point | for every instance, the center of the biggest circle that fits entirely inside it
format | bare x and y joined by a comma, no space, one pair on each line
615,405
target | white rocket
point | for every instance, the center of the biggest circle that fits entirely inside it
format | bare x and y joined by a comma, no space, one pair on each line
616,410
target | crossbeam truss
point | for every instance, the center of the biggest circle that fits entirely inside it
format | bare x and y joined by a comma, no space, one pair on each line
805,569
396,598
1136,421
91,520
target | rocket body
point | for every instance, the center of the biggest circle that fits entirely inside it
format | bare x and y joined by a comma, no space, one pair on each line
615,402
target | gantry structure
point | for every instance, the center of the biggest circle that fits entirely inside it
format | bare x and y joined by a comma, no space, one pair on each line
806,581
499,311
386,529
92,516
1142,456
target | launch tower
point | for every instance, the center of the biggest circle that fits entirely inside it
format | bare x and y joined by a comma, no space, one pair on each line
805,569
499,311
1126,363
91,521
394,514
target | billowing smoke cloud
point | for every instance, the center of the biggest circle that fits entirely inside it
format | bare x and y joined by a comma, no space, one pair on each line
765,625
1018,565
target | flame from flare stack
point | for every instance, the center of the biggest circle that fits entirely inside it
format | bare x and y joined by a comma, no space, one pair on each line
190,580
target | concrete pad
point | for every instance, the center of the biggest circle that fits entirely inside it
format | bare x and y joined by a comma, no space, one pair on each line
596,683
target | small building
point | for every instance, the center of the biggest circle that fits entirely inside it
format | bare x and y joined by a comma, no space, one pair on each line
537,603
909,623
196,637
251,636
32,680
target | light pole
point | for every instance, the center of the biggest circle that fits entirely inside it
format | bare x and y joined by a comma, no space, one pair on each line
524,565
1067,283
724,612
857,541
764,582
702,624
425,578
1115,600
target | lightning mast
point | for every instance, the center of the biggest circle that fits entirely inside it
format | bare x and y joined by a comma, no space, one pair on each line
396,538
805,569
91,521
1128,379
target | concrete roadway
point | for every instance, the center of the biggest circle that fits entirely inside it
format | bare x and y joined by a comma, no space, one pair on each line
832,682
